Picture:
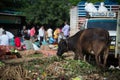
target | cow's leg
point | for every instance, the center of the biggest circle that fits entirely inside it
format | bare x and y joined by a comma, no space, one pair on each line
79,54
105,56
85,56
97,59
98,48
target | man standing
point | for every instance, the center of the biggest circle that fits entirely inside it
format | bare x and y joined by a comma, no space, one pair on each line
49,32
41,34
66,30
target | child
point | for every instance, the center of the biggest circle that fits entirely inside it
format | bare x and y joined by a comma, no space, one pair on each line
17,41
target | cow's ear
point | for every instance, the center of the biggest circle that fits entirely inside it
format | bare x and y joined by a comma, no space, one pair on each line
63,41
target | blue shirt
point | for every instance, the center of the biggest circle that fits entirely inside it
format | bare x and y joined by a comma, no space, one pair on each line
66,30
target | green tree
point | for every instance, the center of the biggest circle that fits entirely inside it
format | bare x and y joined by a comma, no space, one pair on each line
49,12
75,2
46,12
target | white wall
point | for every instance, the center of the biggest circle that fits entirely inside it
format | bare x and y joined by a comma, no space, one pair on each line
73,20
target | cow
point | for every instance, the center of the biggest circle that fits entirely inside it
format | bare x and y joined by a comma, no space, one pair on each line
95,41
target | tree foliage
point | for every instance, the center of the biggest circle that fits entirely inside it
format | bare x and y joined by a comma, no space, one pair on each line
75,2
47,12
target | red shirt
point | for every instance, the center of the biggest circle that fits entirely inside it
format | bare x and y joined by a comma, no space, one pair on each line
32,32
17,42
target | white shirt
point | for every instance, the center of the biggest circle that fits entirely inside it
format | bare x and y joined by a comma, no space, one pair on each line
49,32
4,40
1,30
9,34
41,32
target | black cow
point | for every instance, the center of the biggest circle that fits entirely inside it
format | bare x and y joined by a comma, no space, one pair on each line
93,40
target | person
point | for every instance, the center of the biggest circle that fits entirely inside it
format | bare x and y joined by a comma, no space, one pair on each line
81,26
24,31
41,34
4,39
17,41
36,41
49,32
32,31
11,38
27,44
56,33
66,30
1,30
51,40
61,36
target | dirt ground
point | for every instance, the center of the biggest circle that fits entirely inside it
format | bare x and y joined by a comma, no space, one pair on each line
45,65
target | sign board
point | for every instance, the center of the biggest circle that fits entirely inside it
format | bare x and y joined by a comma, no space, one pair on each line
102,14
117,51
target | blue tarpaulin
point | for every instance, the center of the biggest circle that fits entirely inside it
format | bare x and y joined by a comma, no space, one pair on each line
111,2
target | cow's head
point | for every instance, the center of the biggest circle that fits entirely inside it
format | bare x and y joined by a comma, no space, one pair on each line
62,47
